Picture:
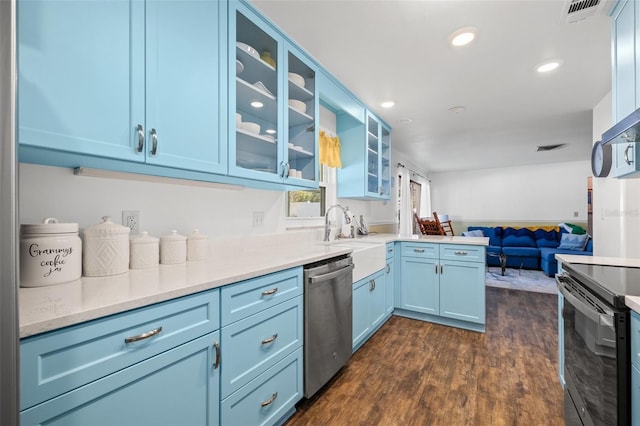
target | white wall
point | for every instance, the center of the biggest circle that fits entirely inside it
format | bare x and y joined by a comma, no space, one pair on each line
616,202
539,193
56,192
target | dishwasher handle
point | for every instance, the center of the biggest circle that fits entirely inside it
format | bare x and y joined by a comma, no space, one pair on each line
330,275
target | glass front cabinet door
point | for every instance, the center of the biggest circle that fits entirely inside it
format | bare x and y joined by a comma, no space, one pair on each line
272,93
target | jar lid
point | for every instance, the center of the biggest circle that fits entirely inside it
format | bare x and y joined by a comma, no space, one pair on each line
144,238
173,236
196,235
106,228
50,225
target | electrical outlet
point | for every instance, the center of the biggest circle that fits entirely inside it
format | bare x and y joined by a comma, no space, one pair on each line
258,219
131,219
575,214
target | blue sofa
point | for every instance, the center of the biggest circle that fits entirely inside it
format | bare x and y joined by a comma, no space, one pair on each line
531,247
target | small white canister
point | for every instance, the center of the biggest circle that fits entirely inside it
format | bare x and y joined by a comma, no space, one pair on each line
106,249
197,246
144,251
173,248
50,253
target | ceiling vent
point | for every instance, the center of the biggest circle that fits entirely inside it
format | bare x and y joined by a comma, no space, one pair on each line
550,147
578,10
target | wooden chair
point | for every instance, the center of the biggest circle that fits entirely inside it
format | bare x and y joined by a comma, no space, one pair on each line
445,223
429,227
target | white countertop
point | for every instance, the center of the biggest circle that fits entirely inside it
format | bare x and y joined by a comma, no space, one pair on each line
48,308
632,302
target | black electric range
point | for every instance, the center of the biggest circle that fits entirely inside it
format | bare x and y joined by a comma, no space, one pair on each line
610,283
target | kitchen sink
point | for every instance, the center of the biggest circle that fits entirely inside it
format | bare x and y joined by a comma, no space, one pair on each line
368,256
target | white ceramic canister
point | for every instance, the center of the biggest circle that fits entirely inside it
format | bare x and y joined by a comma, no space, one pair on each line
106,249
144,251
50,253
197,246
173,248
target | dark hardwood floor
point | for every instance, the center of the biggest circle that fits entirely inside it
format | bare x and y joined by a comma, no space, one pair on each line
416,373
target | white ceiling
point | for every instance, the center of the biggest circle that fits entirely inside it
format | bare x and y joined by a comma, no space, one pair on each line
398,50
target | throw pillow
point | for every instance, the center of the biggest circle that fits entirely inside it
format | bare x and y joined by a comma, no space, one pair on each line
474,233
573,241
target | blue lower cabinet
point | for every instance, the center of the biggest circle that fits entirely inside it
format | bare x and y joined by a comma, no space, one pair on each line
369,307
442,283
254,344
269,398
176,387
635,396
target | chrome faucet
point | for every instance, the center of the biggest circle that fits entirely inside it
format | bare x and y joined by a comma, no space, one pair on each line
327,230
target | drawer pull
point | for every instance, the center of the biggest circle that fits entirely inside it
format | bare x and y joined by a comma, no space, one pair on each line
461,253
216,346
270,339
269,292
417,250
390,250
270,400
388,268
143,335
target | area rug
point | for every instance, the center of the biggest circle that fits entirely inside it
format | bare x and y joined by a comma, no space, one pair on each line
523,279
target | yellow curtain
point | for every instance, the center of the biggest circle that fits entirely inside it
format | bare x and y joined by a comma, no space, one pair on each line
330,150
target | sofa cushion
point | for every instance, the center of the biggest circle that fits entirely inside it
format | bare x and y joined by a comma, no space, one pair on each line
573,242
520,237
494,233
521,251
546,238
473,233
549,254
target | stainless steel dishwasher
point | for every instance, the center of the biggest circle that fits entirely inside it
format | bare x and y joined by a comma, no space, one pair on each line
327,320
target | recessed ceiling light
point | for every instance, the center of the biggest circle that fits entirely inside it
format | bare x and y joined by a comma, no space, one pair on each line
387,104
463,36
404,120
257,104
548,65
457,109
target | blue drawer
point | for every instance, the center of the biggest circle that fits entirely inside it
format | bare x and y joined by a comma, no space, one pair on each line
390,249
252,345
465,253
635,339
422,250
56,362
249,297
266,399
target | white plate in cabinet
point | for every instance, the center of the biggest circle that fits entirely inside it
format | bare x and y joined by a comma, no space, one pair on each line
265,400
252,345
59,361
252,296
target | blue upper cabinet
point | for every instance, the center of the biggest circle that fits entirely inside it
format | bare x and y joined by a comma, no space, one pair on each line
125,80
183,82
366,157
625,95
272,93
81,76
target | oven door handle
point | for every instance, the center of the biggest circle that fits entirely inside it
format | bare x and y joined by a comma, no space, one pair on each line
604,319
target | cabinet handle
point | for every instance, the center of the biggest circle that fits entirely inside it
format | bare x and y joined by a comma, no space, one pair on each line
140,131
270,292
216,346
389,250
388,268
154,142
460,253
143,336
270,400
436,267
418,250
372,285
270,339
441,269
626,154
282,169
